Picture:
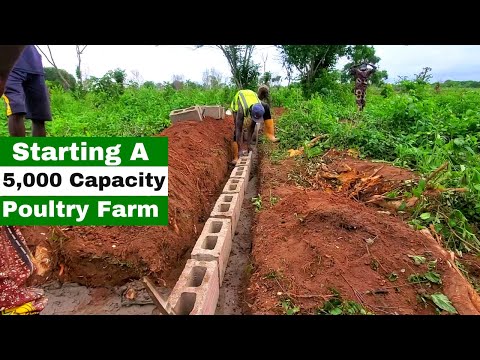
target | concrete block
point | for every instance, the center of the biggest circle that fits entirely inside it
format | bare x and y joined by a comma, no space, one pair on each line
240,172
193,113
197,289
243,162
235,186
223,113
213,111
215,244
227,207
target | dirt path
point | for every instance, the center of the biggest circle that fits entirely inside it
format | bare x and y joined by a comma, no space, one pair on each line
231,300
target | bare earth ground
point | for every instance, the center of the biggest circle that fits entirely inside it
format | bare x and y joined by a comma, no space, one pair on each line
318,241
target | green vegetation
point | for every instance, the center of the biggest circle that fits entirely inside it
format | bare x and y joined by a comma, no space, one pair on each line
108,107
411,125
336,305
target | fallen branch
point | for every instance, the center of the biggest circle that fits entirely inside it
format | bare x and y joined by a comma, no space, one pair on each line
376,171
324,297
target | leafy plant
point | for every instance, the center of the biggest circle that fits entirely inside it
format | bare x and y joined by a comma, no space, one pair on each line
443,303
417,259
257,202
288,307
338,306
273,199
429,276
393,277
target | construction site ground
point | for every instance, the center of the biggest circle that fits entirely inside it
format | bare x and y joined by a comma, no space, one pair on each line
313,238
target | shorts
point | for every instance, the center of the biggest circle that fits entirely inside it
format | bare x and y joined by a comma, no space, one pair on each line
27,94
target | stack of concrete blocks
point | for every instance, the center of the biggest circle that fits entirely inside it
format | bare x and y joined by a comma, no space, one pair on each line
197,290
193,113
216,112
197,113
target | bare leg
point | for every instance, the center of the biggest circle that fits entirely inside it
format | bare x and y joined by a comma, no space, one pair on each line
38,128
239,131
249,135
16,125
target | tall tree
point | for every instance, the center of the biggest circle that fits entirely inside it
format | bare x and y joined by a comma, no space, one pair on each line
310,60
80,49
211,78
244,71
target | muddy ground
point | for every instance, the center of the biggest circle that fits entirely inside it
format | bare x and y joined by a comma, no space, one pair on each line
319,248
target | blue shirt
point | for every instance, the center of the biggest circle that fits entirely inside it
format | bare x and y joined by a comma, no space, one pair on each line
30,61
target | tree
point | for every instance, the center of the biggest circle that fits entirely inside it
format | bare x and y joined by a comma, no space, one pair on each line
244,71
359,54
424,76
118,75
211,78
266,78
310,60
177,81
52,74
137,79
78,71
149,85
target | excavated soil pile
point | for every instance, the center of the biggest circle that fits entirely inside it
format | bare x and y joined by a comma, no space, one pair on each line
199,153
323,251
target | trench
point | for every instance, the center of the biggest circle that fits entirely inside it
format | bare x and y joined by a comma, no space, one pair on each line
132,298
231,300
127,295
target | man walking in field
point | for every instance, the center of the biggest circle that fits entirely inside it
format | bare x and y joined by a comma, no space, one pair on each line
361,73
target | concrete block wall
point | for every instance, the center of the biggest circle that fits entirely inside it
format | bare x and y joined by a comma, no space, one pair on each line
235,186
227,207
215,244
197,290
240,172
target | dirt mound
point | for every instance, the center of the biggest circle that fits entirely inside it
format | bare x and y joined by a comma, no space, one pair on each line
110,255
358,178
317,252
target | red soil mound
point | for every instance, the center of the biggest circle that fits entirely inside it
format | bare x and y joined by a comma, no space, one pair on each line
310,243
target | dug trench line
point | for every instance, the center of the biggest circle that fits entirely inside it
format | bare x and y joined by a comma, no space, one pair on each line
96,269
231,299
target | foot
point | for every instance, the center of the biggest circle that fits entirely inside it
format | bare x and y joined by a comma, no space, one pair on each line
272,139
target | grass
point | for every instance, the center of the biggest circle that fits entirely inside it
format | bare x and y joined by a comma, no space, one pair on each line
413,127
